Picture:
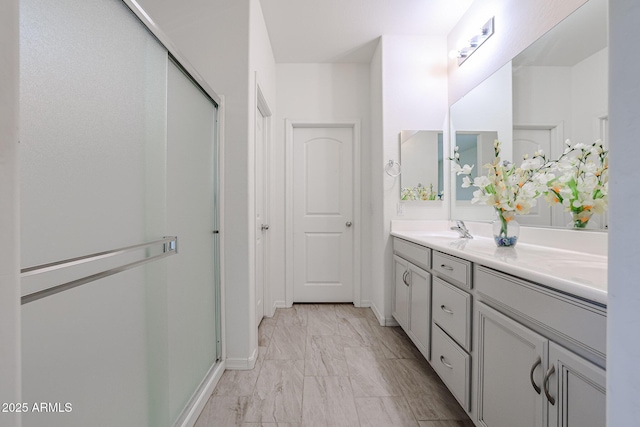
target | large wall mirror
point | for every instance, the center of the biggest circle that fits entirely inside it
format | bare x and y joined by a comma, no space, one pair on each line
554,90
421,156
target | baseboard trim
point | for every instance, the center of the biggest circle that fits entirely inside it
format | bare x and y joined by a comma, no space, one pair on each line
279,304
379,316
200,398
390,321
242,364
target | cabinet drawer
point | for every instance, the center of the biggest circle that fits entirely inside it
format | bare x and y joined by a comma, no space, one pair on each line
419,255
456,270
575,323
452,311
452,364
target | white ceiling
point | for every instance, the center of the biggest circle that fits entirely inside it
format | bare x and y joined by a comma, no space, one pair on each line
347,30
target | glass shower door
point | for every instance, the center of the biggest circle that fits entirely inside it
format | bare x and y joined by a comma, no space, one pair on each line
191,215
117,149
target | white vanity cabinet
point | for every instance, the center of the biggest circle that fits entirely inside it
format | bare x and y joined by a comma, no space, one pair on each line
514,352
412,293
451,308
526,377
510,371
580,390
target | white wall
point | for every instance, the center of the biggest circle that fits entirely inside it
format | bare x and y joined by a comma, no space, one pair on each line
9,213
214,37
414,96
574,96
590,98
517,25
623,322
376,208
542,96
317,92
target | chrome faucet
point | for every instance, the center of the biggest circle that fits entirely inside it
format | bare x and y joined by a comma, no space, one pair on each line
462,230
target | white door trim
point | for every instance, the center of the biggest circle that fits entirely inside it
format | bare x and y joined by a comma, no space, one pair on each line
557,135
263,107
557,146
289,126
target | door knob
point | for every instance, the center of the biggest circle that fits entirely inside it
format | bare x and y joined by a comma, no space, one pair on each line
349,224
265,227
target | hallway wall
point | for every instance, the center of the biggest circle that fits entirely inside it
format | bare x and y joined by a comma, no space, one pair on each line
623,352
413,75
9,212
318,92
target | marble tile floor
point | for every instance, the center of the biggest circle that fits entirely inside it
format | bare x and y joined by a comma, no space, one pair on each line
332,365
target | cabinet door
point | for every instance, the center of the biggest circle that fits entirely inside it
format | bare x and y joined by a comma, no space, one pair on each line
401,294
511,358
578,387
420,308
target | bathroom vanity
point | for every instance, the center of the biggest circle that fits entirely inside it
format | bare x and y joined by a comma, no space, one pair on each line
518,335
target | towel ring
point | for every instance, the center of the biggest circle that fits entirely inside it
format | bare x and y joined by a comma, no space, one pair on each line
388,168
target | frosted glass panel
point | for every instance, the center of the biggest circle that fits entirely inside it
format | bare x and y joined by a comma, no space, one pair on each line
93,174
191,215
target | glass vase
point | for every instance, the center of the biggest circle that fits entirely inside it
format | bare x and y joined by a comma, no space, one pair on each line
505,230
580,220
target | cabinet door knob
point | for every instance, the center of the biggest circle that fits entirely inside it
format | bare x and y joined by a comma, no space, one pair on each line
349,224
265,226
533,368
545,384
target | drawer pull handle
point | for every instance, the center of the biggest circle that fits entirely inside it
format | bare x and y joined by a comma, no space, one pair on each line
444,362
445,309
545,384
533,368
446,267
404,277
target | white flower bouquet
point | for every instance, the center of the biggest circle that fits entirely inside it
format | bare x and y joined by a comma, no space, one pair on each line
582,182
510,190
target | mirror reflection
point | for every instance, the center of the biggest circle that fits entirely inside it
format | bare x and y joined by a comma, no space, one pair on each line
477,120
421,156
558,91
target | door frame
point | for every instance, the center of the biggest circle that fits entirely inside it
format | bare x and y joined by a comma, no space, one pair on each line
263,106
557,146
357,218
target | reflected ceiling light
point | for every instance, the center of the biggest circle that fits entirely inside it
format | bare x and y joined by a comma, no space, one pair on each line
476,41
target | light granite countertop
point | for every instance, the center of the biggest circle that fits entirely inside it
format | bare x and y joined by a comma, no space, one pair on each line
570,263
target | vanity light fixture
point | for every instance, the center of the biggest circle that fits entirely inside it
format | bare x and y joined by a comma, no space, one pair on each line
476,41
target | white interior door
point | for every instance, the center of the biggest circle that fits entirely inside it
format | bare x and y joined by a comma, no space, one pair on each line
527,141
260,224
323,214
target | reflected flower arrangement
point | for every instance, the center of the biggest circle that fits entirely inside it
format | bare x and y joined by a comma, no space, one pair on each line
578,180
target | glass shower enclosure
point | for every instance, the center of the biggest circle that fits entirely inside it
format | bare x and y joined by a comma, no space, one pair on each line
119,243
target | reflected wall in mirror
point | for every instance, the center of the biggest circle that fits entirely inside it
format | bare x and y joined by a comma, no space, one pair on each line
477,120
557,91
421,156
475,148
